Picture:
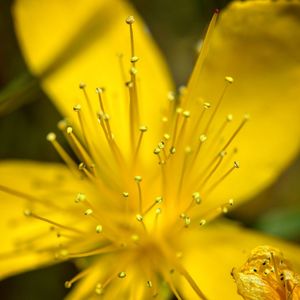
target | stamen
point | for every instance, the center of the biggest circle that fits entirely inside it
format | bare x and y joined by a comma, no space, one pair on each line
122,68
211,173
68,284
77,109
82,86
229,80
82,153
178,113
236,165
142,129
101,250
29,213
138,180
158,200
246,118
51,137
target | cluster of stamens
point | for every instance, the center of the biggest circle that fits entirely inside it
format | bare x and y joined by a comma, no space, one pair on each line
116,215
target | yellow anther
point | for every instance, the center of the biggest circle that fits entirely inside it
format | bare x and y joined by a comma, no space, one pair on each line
125,194
187,221
68,284
196,197
179,110
164,119
166,136
236,164
51,137
80,197
158,211
77,107
82,85
161,145
225,210
100,90
69,130
202,222
246,117
229,79
186,114
149,284
206,105
138,178
231,202
81,166
99,228
222,154
143,128
139,217
133,71
27,212
122,275
171,96
182,215
130,20
129,84
202,138
134,59
99,289
159,199
62,125
172,150
88,212
229,118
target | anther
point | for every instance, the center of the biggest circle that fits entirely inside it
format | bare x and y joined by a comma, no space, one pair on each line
139,217
68,284
134,59
229,79
187,221
158,199
202,222
229,118
27,212
197,198
143,128
82,85
62,125
149,284
171,96
236,164
138,178
51,137
186,114
80,197
99,228
122,275
206,105
202,138
125,194
77,107
88,212
130,20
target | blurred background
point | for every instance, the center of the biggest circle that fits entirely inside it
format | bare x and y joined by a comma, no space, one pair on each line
177,26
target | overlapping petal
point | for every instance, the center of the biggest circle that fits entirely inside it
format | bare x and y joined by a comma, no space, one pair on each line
27,185
214,251
257,43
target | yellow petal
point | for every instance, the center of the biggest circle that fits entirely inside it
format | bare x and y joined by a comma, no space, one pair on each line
257,43
221,246
23,185
66,42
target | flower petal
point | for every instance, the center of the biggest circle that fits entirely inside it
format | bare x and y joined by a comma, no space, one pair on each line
220,247
257,43
65,42
23,185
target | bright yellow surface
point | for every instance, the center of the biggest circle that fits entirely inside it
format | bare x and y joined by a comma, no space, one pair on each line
257,43
215,250
50,183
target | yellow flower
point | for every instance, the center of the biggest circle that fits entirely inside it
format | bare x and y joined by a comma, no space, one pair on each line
267,275
154,166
